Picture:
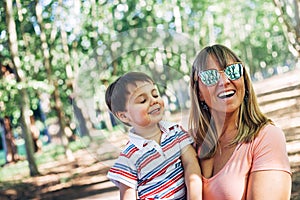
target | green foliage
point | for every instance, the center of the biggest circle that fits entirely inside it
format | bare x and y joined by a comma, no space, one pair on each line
108,38
10,96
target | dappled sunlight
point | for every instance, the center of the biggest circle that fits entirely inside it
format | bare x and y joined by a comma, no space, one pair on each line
61,175
58,57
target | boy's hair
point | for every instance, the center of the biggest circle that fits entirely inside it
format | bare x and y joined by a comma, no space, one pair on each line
117,92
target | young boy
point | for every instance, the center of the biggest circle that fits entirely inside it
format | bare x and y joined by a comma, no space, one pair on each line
158,162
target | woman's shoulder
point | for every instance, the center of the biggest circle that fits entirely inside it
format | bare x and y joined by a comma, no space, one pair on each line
268,150
270,129
270,133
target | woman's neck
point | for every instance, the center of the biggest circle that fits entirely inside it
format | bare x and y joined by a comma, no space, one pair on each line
226,125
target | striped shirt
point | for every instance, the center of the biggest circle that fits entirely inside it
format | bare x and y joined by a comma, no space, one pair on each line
154,170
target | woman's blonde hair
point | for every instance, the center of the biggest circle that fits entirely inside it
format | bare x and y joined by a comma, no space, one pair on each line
201,123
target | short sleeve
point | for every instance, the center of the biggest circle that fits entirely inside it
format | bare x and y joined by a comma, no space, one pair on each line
184,138
269,150
123,171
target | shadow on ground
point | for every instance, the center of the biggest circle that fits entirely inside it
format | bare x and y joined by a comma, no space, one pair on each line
83,178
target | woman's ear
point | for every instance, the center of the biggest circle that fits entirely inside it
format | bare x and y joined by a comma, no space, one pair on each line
199,93
201,96
122,116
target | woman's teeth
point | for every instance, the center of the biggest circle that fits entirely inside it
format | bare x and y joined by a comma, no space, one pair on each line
227,94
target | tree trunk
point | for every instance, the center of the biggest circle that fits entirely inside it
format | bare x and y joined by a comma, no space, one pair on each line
290,21
53,81
24,103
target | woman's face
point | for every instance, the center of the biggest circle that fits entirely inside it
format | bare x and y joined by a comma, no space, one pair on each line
226,95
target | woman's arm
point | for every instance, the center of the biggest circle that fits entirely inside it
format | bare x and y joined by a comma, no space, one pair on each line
270,177
192,173
127,193
269,184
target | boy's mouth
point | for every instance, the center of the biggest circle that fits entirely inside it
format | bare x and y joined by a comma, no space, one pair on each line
155,109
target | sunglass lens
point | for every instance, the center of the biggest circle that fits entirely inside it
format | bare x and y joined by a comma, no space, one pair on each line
234,71
209,77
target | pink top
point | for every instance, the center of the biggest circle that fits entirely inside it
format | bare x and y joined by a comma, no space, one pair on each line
266,152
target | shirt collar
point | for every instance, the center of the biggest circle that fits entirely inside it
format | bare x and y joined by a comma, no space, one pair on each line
166,126
139,141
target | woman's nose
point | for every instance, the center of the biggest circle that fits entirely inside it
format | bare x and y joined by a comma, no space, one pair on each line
223,79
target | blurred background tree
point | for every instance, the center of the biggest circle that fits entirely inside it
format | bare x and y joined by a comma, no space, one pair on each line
70,49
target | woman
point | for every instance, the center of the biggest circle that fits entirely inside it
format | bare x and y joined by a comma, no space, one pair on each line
241,153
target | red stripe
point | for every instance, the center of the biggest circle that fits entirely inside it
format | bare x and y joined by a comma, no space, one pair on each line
171,193
159,173
163,187
149,159
129,153
170,145
183,137
123,173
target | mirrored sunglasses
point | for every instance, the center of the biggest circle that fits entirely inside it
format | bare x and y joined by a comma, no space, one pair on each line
211,77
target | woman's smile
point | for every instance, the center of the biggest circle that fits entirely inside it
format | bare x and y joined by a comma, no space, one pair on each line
226,94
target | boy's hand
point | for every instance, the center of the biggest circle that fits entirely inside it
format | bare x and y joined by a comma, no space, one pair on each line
192,173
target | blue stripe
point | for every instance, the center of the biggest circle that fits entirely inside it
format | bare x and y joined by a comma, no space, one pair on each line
159,167
145,156
160,183
124,168
169,140
177,135
128,149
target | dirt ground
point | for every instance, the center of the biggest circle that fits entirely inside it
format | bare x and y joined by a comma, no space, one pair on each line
85,177
82,178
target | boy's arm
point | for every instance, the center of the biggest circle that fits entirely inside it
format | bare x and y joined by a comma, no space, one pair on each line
192,173
126,192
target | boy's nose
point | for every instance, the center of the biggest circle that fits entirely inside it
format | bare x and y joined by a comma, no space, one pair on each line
153,101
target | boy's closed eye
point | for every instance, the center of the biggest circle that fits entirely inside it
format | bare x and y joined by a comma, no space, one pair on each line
142,100
155,93
143,97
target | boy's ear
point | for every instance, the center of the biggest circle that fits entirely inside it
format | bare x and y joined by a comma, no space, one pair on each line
122,116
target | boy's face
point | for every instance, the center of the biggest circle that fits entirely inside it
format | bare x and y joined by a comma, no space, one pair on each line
144,106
